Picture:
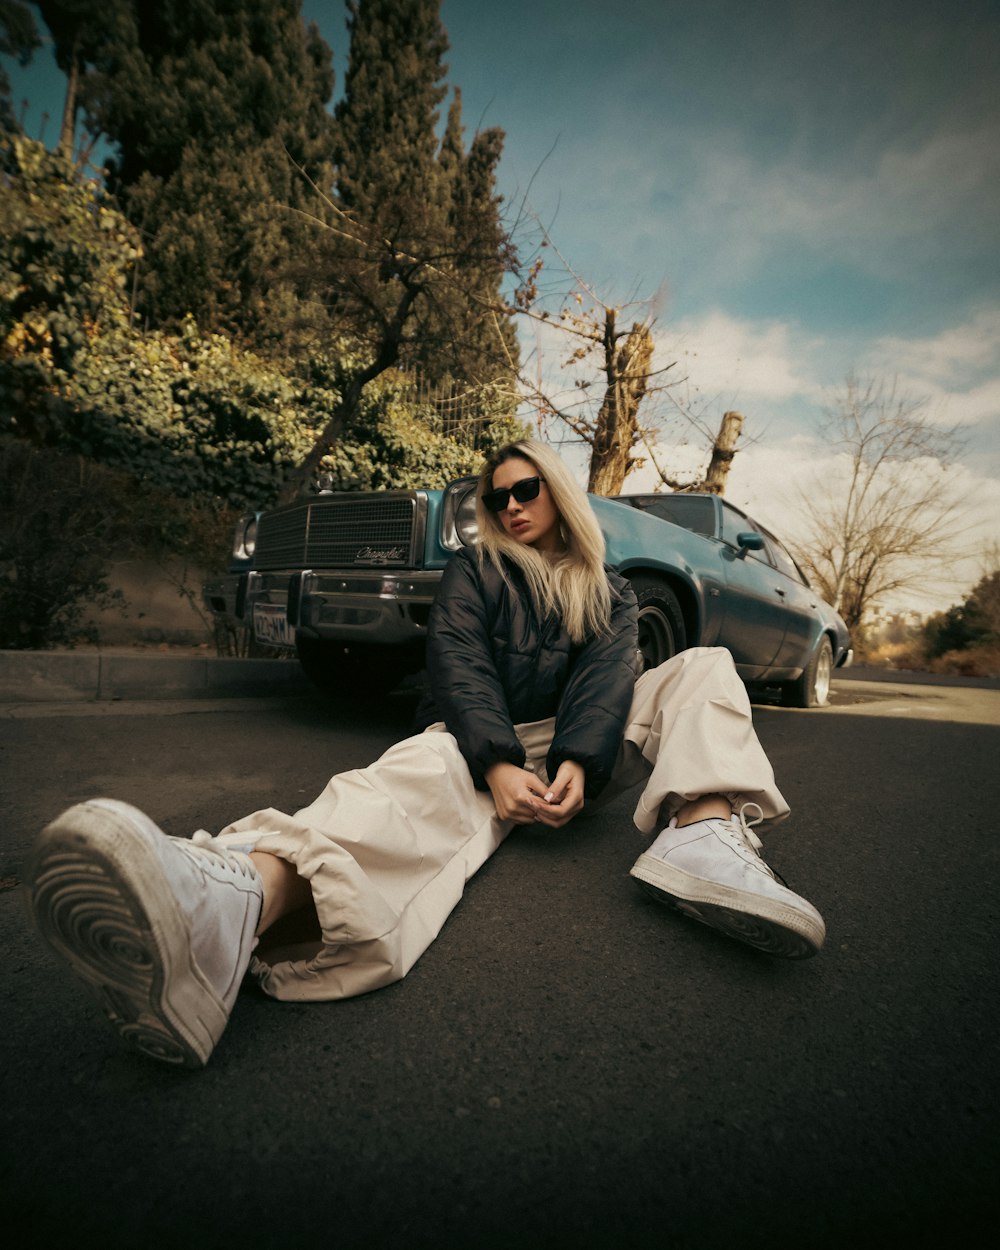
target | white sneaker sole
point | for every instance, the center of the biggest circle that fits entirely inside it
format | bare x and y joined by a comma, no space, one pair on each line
102,902
765,923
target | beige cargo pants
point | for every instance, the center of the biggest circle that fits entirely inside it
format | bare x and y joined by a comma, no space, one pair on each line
388,849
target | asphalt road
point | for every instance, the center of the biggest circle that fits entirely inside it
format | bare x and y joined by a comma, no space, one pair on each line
569,1065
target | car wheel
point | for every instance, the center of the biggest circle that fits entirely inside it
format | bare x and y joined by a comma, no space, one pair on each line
661,622
352,671
812,689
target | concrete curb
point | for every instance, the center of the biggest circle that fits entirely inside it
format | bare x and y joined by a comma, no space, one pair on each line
76,676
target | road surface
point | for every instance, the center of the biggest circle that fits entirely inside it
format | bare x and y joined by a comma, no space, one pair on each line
569,1065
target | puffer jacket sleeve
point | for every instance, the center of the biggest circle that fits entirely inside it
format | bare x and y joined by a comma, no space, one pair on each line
466,686
595,703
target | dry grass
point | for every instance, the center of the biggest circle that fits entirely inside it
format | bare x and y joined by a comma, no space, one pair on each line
982,661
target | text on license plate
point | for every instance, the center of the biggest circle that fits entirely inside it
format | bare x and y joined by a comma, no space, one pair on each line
270,625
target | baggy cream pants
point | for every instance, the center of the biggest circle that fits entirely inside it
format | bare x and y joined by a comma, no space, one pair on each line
388,849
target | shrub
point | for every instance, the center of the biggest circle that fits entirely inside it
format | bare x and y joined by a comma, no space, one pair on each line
974,623
64,520
57,535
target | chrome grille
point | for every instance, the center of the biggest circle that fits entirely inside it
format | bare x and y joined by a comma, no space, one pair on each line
344,531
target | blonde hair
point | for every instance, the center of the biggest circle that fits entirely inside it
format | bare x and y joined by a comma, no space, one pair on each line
574,585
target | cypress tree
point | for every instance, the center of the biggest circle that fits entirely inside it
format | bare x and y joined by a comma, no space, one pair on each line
487,346
211,104
19,39
416,273
386,141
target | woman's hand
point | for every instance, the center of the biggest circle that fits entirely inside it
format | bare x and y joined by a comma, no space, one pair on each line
517,793
564,798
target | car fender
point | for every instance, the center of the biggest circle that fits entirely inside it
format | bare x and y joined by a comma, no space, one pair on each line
631,538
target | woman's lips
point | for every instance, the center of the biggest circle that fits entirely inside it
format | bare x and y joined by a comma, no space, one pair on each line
518,525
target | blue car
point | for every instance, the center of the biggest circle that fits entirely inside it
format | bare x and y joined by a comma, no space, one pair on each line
346,581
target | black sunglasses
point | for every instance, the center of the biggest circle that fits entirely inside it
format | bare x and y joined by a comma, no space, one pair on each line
523,491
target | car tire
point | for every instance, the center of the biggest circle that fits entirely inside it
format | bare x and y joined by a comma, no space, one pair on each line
661,623
353,671
812,689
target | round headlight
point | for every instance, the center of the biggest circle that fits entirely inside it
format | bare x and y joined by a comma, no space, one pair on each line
465,518
250,537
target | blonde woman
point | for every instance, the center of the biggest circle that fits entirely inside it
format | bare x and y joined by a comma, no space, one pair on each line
534,714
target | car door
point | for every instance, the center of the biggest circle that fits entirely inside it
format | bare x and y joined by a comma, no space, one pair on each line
802,620
753,627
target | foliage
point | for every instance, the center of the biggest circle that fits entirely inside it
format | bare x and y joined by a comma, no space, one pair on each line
399,447
970,624
18,39
64,520
65,257
209,109
414,252
191,412
57,536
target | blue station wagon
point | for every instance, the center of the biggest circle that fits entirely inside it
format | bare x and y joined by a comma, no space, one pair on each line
346,580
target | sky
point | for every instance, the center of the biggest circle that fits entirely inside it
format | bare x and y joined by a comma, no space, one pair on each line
806,188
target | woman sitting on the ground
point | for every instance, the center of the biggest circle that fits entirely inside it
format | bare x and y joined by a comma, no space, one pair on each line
534,713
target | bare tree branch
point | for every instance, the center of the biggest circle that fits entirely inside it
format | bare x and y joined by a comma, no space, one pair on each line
887,515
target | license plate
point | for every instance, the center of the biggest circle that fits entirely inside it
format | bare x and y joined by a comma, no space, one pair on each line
270,625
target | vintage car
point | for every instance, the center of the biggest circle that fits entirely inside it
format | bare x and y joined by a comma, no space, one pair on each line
346,580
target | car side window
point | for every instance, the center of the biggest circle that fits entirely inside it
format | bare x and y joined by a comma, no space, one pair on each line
782,560
735,523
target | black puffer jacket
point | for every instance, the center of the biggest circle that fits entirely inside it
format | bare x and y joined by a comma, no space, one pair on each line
493,664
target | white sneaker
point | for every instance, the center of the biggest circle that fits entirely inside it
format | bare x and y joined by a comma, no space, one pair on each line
712,870
159,929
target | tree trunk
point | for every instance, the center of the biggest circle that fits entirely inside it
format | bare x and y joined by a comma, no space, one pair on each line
722,453
67,131
617,432
386,355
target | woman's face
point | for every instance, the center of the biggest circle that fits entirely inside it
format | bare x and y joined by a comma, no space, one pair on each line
535,523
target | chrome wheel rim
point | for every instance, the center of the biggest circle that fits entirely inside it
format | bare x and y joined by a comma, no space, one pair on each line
824,670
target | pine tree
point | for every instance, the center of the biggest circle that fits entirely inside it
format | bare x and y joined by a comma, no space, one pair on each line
488,343
386,122
211,106
85,35
19,39
416,271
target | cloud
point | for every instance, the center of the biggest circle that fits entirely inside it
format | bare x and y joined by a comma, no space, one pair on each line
944,358
886,216
785,377
957,370
742,361
766,481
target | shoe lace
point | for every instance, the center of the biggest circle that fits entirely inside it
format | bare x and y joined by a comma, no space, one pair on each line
741,825
237,861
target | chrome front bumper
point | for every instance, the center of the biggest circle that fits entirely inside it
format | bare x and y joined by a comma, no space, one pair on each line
339,605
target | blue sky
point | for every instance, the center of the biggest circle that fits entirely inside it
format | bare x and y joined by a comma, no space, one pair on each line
813,188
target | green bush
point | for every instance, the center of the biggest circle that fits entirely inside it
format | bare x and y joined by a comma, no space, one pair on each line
974,623
64,520
57,535
117,440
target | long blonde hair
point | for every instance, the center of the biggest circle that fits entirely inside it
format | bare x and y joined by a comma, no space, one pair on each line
575,585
